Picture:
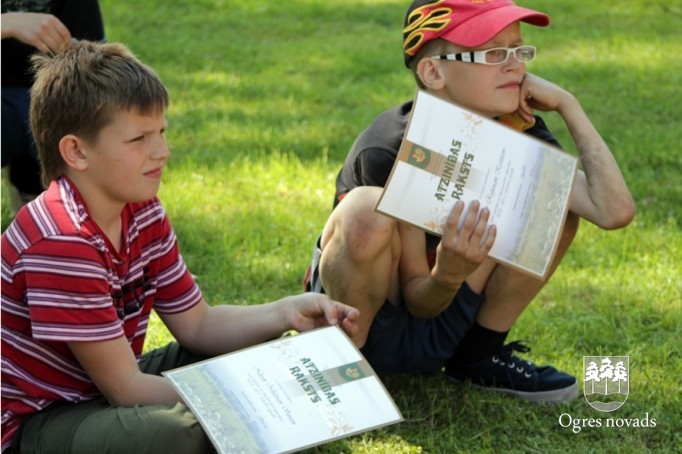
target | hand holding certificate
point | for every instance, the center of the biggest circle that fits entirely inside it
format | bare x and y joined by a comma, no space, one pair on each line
450,154
286,395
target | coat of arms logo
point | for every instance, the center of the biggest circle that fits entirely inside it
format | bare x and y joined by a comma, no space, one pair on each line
419,156
606,383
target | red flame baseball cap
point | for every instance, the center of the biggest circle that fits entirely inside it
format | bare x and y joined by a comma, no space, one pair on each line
467,23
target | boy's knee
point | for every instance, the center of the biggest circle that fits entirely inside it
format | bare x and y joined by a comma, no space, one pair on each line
360,230
155,428
175,429
96,427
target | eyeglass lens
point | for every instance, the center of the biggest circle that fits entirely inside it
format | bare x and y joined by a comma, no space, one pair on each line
501,54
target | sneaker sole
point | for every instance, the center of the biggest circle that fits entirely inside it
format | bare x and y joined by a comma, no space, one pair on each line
554,396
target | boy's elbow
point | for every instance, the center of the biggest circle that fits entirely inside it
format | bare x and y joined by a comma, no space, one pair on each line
119,400
621,217
628,215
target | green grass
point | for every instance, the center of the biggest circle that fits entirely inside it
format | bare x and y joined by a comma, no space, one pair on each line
266,99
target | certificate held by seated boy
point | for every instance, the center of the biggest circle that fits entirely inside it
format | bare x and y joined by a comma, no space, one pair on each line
450,154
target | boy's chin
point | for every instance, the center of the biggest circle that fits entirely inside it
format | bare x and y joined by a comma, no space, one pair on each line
506,108
144,196
510,109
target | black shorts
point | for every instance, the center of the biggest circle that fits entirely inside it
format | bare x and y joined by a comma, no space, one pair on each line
399,342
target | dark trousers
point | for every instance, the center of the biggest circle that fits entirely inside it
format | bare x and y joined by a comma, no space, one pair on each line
18,148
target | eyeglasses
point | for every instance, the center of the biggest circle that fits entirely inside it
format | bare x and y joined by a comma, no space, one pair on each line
495,56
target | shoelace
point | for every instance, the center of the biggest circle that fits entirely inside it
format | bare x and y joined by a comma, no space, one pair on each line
506,357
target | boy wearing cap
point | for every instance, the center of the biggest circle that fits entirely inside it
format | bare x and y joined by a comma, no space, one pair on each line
427,303
84,264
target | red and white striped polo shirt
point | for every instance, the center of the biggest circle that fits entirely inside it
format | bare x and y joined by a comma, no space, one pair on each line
63,282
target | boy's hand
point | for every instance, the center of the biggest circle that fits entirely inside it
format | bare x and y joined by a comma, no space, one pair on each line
312,310
465,244
467,239
538,93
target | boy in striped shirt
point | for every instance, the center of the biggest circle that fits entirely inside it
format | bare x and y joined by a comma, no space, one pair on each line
84,264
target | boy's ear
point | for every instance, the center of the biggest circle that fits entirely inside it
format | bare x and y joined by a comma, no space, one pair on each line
73,153
428,70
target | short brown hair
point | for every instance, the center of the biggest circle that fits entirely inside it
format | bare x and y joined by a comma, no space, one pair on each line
78,91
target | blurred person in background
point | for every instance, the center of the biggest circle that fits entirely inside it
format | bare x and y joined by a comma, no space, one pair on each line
30,26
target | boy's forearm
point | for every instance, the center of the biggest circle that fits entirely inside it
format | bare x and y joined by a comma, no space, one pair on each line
228,328
601,194
426,297
113,368
426,291
145,389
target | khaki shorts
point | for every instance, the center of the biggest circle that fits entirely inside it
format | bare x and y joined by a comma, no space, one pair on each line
95,426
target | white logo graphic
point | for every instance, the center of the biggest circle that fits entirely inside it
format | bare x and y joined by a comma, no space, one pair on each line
606,385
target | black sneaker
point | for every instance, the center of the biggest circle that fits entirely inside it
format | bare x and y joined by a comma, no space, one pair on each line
507,373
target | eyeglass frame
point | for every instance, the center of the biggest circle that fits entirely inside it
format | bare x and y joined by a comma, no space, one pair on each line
479,55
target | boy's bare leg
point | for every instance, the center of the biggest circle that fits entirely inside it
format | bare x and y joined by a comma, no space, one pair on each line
360,255
482,356
508,292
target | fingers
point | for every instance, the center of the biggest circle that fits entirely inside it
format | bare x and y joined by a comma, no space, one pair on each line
342,314
470,224
540,94
469,234
350,327
44,32
321,309
525,110
56,37
475,220
526,97
348,312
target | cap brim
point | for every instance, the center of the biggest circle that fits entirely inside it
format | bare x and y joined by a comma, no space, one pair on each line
482,28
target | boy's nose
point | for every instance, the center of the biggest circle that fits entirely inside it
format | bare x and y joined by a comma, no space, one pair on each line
162,151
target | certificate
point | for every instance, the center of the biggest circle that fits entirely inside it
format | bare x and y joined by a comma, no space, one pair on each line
450,154
286,395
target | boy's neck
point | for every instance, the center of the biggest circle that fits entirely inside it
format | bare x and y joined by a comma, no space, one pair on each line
108,220
113,232
104,211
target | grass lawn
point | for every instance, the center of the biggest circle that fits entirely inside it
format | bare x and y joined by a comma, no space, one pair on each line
266,99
